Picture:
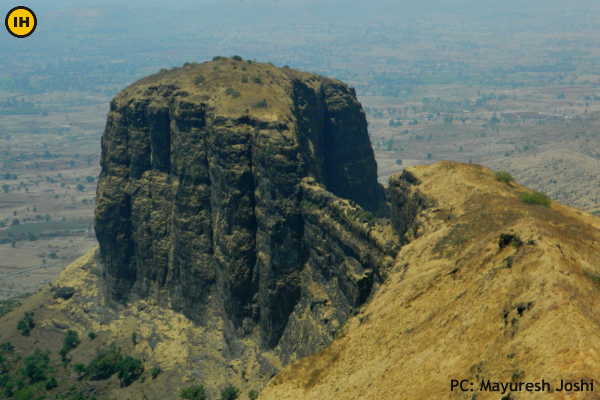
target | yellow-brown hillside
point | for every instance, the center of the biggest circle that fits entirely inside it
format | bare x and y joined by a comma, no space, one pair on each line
458,306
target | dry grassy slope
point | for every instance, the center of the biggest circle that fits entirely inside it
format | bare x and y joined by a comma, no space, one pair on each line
450,309
186,353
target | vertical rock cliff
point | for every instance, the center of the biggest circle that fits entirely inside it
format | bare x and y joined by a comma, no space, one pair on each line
243,193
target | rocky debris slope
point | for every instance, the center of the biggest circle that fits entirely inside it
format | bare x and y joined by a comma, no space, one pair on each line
486,288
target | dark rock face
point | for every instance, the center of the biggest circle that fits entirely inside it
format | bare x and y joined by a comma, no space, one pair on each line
218,208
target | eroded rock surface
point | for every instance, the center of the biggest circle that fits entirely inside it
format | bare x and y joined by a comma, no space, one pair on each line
212,204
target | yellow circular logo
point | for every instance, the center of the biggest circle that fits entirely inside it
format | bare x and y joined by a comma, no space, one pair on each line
20,22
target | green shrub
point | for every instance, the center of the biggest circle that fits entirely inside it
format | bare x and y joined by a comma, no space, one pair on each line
249,61
80,396
103,366
256,78
7,347
232,92
198,79
69,342
51,383
253,395
129,370
243,68
5,380
28,392
7,306
237,58
215,58
155,372
26,324
92,335
193,393
37,365
535,198
504,176
230,393
134,336
262,104
80,369
244,79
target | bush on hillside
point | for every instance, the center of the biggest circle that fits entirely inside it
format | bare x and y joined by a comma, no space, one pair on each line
535,198
193,393
69,342
198,79
129,370
504,176
103,366
230,393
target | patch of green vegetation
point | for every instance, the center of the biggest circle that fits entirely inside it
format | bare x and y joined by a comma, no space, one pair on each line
256,78
129,369
193,393
37,366
232,92
26,392
80,369
504,176
6,347
461,239
535,198
69,342
253,395
155,372
92,335
110,361
365,215
237,58
7,306
262,104
47,226
230,393
51,383
103,366
198,79
26,324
